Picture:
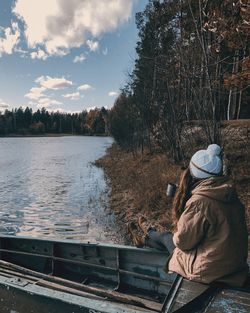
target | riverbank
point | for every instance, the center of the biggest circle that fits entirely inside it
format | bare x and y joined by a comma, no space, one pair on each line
138,183
138,186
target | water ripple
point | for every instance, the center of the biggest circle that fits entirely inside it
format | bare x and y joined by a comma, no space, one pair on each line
49,188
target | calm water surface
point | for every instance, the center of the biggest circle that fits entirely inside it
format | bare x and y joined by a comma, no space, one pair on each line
49,187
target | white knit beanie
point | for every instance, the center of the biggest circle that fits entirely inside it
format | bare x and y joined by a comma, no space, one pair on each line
206,163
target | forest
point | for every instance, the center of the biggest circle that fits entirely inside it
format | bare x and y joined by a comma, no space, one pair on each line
25,122
192,68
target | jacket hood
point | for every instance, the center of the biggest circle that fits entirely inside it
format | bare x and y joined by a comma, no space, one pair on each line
218,188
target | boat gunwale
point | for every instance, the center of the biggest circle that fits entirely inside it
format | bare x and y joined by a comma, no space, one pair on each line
91,245
87,243
119,271
102,306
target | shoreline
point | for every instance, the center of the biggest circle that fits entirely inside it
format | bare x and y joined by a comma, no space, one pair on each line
138,187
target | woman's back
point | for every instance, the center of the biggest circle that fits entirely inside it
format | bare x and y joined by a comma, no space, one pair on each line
212,235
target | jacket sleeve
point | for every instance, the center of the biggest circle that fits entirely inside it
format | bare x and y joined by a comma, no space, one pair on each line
191,227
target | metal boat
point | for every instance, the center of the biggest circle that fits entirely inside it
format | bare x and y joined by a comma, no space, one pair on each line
49,276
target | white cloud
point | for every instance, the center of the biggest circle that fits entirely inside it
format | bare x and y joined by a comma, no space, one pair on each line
59,25
3,105
31,103
47,103
39,54
35,93
93,45
85,87
54,83
34,14
21,51
73,96
113,93
105,51
61,110
56,110
79,58
10,39
46,83
91,108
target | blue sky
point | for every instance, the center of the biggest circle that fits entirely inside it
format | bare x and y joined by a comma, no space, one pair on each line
65,55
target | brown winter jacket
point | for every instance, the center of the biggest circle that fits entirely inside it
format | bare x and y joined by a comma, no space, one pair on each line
211,238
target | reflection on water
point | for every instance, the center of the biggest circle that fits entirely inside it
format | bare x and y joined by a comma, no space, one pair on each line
48,187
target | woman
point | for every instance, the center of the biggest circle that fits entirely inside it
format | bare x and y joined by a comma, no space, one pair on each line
210,232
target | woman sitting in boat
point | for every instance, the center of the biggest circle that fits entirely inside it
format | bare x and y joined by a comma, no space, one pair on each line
210,240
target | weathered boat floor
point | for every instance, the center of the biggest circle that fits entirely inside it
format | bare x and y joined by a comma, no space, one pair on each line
15,294
224,300
123,277
34,285
229,301
33,298
94,278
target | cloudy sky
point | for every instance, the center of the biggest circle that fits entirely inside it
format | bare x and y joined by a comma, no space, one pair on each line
65,55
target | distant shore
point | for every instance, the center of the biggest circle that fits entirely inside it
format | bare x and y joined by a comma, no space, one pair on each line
51,135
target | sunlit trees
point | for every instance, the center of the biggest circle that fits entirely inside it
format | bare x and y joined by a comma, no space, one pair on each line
96,121
37,128
192,64
24,122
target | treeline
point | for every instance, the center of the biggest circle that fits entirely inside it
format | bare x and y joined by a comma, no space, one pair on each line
192,65
25,121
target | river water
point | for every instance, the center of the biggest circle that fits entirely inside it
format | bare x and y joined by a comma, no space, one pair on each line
50,188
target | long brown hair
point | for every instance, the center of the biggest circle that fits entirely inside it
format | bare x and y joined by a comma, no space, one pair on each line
181,197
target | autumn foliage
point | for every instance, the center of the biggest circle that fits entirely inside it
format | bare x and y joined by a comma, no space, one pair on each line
192,65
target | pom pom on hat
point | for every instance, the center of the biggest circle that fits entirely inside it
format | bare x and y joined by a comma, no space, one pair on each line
214,150
206,163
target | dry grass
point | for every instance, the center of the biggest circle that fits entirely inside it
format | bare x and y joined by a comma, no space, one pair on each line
139,185
139,182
